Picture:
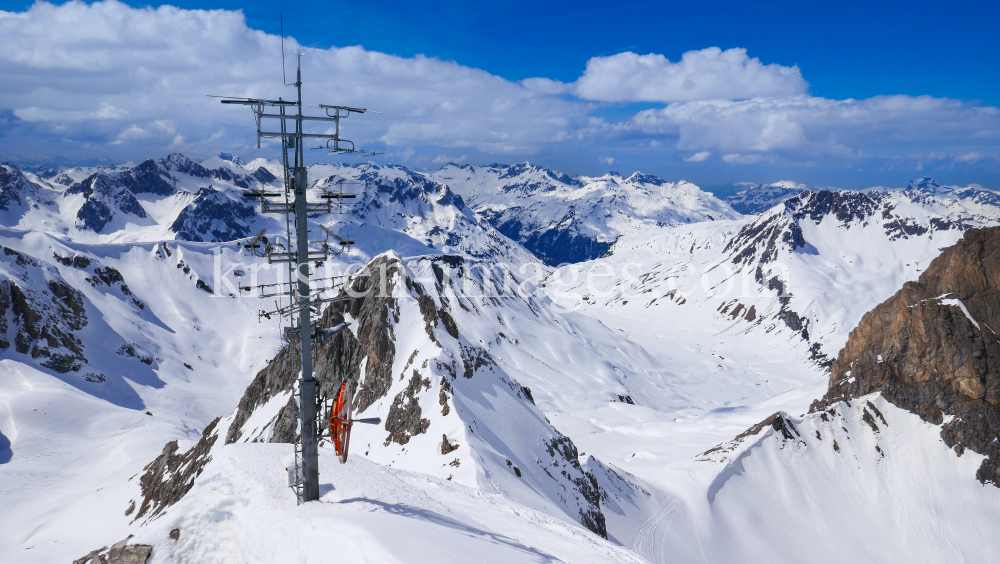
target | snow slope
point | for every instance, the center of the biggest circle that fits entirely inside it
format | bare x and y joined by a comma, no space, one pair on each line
76,436
625,372
865,482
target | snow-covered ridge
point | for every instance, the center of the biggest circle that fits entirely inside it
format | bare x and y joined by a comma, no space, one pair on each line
570,219
155,200
755,198
395,204
758,198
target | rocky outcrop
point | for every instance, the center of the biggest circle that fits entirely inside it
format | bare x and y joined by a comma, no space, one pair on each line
40,314
591,517
370,337
119,553
170,475
213,216
932,349
404,418
14,188
104,198
148,178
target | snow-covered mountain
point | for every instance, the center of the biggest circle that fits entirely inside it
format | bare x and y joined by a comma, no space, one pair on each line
394,202
651,405
784,271
569,219
758,198
152,201
755,198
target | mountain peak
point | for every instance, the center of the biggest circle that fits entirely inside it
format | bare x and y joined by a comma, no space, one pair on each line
756,198
924,184
235,159
640,178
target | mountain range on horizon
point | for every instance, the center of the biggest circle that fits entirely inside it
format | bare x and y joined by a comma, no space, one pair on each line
566,368
567,218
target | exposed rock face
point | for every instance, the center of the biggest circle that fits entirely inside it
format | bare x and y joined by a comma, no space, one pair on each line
14,187
370,337
932,349
213,216
170,475
585,482
405,419
148,178
104,197
40,318
119,553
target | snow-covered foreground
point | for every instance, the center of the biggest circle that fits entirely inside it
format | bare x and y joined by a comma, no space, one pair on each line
634,372
367,512
828,487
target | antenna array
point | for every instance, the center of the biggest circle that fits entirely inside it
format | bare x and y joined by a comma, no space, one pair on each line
293,204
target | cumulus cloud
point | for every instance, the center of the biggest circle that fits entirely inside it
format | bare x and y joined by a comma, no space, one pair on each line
736,158
105,73
708,74
806,128
445,159
698,157
109,80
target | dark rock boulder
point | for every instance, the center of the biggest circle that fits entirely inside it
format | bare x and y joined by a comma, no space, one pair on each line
932,349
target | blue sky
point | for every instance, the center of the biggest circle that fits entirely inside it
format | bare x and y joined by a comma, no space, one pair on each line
847,49
821,54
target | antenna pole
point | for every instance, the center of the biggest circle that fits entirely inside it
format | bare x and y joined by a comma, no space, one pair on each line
310,455
305,478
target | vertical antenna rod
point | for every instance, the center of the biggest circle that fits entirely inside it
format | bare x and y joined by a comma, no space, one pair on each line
281,18
310,456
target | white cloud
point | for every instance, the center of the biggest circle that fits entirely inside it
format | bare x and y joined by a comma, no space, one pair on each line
83,77
969,157
736,158
607,160
106,71
698,157
545,86
806,128
445,159
708,74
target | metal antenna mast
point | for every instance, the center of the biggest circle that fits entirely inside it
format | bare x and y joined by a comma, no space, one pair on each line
296,212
